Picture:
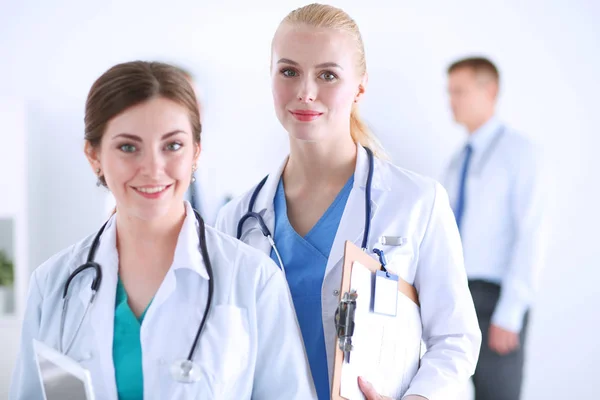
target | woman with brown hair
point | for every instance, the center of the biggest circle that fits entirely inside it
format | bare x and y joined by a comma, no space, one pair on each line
156,304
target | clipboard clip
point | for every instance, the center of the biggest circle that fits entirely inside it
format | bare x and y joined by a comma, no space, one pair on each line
382,260
344,322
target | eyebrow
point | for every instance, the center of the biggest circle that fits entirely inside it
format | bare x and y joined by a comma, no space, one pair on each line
139,139
322,65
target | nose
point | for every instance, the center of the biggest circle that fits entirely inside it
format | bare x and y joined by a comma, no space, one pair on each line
307,91
153,163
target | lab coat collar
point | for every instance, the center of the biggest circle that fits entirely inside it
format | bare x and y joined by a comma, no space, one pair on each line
264,201
107,258
361,172
352,222
264,205
187,252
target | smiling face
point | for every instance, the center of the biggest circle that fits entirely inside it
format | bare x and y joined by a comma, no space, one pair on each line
146,157
315,81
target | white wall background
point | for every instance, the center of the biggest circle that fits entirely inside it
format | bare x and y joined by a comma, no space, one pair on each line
548,54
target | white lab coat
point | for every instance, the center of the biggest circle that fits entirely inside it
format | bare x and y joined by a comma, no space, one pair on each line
416,208
251,346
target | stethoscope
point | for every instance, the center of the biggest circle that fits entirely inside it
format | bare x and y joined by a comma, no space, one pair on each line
267,233
185,371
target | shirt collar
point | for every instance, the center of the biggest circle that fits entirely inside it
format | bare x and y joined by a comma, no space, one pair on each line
481,138
187,251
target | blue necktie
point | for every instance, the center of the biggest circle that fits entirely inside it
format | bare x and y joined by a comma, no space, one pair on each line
460,204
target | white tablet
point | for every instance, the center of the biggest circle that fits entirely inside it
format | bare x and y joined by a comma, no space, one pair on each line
61,377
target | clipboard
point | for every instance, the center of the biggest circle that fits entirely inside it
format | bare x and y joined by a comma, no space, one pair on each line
60,376
354,253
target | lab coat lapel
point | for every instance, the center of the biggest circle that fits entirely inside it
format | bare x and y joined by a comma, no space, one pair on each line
265,207
101,314
352,224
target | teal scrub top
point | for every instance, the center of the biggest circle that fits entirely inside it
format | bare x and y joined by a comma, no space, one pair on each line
127,349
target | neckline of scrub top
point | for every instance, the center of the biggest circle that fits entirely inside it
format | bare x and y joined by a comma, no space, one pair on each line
122,300
323,248
127,347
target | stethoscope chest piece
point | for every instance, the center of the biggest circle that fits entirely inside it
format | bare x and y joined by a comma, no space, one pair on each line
185,371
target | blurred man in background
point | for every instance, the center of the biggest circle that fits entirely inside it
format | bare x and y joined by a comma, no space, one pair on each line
494,186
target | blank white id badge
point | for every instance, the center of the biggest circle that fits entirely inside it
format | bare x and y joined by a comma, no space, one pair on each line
385,298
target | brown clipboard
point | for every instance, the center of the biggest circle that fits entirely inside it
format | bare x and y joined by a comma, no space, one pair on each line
354,253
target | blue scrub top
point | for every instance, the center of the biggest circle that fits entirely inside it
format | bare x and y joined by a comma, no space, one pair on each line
305,260
127,349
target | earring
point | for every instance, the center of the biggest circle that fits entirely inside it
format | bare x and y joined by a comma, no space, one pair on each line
193,170
99,180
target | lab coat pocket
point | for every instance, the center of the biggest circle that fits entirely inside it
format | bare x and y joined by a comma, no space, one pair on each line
83,350
225,346
222,356
203,389
84,357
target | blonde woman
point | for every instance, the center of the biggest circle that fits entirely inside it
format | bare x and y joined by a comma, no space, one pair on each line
335,186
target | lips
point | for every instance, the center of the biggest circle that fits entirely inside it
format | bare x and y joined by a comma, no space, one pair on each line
306,115
152,191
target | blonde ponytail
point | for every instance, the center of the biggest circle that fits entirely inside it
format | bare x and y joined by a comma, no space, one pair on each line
362,135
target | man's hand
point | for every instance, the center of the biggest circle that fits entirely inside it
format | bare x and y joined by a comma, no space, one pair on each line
502,341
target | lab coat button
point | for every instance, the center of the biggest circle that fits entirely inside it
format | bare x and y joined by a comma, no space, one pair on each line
336,292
